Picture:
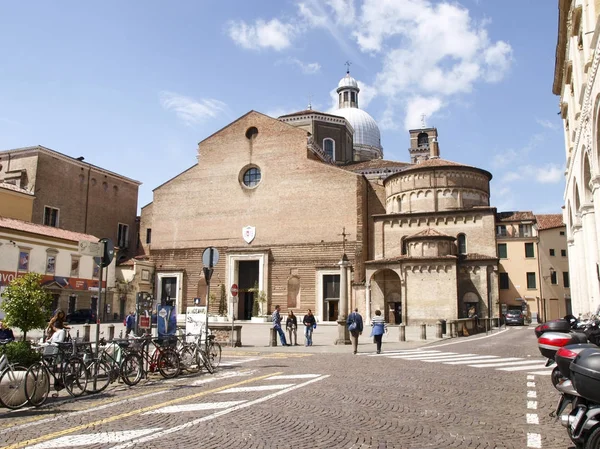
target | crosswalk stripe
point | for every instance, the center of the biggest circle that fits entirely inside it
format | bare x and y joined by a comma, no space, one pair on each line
496,365
257,388
195,407
406,355
449,358
542,373
522,368
421,356
97,438
482,359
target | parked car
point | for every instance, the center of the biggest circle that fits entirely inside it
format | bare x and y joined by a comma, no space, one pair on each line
82,316
515,316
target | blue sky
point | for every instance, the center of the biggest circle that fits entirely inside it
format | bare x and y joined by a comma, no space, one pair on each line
134,86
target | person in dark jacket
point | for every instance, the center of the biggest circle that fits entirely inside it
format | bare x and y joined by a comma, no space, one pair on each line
355,326
291,325
6,334
309,324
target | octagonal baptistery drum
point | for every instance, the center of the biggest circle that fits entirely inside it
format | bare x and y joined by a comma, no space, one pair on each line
437,185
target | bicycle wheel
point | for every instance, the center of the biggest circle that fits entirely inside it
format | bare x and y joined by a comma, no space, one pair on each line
12,387
188,360
168,363
214,353
204,360
37,384
98,372
132,369
75,376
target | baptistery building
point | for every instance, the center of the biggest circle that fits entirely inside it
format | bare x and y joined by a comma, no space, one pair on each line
287,201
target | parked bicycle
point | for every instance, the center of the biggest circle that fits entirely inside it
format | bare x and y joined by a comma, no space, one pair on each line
12,384
110,365
149,355
60,364
193,354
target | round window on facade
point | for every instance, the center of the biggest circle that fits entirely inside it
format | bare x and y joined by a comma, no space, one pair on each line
251,177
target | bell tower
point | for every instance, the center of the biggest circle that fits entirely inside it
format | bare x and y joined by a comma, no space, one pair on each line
423,144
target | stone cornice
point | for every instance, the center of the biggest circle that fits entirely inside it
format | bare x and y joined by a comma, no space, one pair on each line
564,7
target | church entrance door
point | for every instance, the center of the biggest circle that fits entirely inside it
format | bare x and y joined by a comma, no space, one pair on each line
248,271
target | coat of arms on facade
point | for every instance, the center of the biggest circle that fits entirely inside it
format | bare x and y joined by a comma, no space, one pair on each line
248,233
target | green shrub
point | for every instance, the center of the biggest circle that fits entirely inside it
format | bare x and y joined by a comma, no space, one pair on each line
20,353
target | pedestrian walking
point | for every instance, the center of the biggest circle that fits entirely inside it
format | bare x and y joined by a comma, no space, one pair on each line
291,325
379,328
276,317
130,323
355,326
309,324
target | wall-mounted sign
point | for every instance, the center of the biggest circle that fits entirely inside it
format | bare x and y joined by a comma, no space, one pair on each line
249,232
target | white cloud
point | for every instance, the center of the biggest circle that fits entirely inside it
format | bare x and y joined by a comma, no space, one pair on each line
308,68
189,110
548,174
498,58
417,107
547,124
272,34
511,176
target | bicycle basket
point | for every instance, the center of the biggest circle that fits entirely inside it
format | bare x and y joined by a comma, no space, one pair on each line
50,351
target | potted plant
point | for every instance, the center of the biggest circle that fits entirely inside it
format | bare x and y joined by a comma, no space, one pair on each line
222,304
260,299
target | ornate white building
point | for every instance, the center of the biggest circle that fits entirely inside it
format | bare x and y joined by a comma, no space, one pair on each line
576,69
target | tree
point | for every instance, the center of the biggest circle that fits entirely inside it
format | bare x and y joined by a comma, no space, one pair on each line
223,302
26,303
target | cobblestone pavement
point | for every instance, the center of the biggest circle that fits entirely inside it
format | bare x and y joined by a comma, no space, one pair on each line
292,398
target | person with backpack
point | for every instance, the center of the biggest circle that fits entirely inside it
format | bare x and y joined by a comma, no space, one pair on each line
355,326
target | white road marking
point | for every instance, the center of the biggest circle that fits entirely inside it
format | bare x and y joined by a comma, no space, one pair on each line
195,407
450,358
530,384
530,377
294,376
225,375
257,388
237,362
158,435
93,438
531,394
421,356
496,365
532,405
416,353
532,418
468,340
482,359
542,373
534,440
521,368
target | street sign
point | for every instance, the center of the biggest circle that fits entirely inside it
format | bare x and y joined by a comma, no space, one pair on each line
504,308
196,301
234,290
208,272
87,248
106,256
210,257
145,322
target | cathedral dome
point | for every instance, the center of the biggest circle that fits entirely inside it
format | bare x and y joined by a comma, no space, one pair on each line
366,131
347,81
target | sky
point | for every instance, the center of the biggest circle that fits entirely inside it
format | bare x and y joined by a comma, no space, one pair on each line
134,86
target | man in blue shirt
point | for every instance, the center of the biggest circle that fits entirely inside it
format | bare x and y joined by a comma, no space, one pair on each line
130,323
355,326
276,317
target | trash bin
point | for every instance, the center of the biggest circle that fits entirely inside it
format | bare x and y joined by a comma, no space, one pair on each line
443,325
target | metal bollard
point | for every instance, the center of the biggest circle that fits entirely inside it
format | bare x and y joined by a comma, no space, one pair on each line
423,331
438,329
86,332
111,332
273,339
453,332
402,332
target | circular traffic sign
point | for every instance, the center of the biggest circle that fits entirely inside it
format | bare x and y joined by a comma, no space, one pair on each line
210,257
234,290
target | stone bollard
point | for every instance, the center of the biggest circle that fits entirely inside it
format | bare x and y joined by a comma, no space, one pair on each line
423,331
111,332
438,329
86,332
402,332
273,337
453,332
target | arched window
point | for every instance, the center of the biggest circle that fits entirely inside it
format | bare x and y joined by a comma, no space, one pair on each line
293,290
462,244
422,139
329,147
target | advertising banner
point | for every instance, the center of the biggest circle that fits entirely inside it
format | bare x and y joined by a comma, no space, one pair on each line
195,322
166,321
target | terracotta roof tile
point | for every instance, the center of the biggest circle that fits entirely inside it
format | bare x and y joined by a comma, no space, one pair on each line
515,216
437,162
375,164
430,232
549,221
48,231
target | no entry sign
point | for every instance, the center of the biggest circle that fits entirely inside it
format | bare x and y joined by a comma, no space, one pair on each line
234,290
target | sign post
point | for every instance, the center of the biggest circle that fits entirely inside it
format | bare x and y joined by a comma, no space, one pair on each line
210,257
234,300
